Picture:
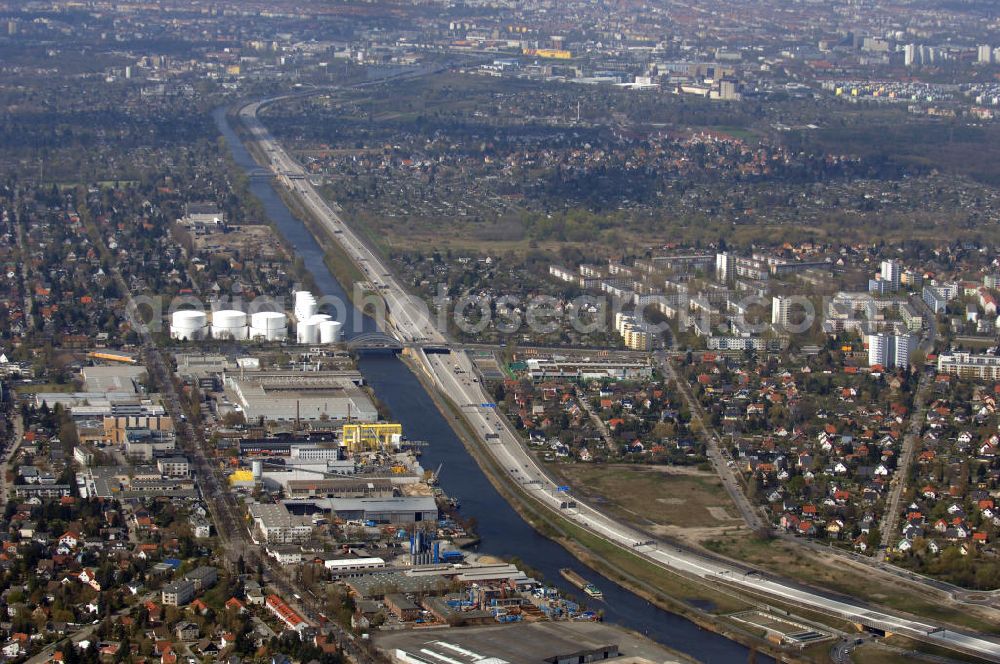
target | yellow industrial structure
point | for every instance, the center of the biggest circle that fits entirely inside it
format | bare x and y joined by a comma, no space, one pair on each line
554,53
365,436
241,477
113,357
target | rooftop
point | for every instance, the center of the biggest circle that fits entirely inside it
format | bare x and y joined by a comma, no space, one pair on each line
119,379
524,643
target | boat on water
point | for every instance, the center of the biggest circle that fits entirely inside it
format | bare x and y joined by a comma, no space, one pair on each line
589,588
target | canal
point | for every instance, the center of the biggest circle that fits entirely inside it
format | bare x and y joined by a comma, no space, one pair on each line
504,533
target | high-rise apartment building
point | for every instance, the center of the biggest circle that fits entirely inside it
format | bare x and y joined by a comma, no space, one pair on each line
890,351
725,266
892,272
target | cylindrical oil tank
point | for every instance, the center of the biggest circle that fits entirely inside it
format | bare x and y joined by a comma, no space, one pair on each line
229,324
329,332
305,306
269,325
307,332
188,324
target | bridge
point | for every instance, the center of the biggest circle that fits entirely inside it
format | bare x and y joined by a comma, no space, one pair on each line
374,341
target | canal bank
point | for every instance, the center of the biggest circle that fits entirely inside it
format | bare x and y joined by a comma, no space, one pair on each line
504,532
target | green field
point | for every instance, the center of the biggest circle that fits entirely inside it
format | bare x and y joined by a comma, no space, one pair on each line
648,495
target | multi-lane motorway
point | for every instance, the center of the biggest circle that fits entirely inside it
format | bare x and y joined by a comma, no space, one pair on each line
455,375
408,317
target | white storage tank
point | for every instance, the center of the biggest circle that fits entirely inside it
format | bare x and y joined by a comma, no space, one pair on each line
329,332
229,324
269,325
305,306
188,325
307,332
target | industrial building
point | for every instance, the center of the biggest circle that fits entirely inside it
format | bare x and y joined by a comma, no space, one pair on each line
372,436
282,445
315,453
395,510
144,445
377,584
308,396
116,428
202,363
347,487
563,642
346,566
551,369
281,477
117,379
97,405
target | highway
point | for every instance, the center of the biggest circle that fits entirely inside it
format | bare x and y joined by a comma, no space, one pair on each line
455,375
407,315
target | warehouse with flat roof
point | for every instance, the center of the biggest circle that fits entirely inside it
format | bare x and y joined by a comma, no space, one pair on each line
307,396
563,642
397,509
348,487
114,379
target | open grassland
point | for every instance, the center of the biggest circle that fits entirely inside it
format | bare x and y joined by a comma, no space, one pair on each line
654,496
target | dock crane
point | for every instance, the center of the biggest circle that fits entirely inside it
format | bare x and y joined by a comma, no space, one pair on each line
435,476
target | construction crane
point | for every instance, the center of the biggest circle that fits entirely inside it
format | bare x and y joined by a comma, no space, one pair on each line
435,476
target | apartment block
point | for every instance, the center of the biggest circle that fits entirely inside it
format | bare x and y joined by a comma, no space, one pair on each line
969,365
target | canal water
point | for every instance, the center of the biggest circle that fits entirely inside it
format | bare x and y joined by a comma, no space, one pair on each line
504,533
